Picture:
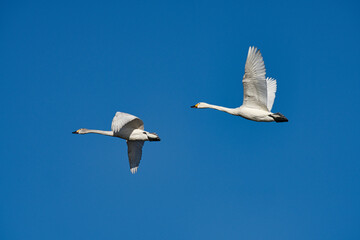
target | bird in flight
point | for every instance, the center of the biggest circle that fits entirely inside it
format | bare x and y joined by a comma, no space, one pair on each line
130,128
259,93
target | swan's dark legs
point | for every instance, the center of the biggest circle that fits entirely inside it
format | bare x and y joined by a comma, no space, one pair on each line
278,117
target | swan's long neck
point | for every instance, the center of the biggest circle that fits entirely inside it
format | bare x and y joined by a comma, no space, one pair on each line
224,109
106,133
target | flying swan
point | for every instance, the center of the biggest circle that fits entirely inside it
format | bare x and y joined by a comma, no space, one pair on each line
259,93
130,128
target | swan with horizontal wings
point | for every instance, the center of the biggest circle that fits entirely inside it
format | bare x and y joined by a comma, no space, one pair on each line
130,128
259,93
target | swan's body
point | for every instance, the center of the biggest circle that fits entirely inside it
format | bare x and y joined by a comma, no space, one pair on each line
259,93
130,128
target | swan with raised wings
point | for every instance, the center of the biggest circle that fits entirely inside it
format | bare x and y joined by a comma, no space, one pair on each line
259,93
130,128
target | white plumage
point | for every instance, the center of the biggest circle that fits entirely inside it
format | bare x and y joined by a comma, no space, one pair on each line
134,153
130,128
271,90
254,83
259,93
121,119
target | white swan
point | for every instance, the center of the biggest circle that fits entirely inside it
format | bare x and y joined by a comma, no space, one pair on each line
130,128
259,93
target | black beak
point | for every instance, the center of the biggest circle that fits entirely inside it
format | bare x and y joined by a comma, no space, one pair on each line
193,106
75,132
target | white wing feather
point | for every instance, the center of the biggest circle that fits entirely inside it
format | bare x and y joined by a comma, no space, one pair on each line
125,120
271,90
134,153
255,91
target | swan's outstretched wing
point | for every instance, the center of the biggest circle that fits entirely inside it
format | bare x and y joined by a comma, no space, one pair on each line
125,120
271,90
255,93
134,153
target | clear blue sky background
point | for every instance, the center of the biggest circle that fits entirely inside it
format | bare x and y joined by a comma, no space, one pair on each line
68,65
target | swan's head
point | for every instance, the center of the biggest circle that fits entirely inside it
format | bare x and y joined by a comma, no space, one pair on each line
80,131
199,105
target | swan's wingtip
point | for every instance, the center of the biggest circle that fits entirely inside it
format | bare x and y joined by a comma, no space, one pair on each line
253,49
133,170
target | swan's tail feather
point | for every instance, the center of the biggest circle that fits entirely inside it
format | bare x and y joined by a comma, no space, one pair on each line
153,137
278,117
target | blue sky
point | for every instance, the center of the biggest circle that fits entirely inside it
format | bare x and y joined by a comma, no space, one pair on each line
68,65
